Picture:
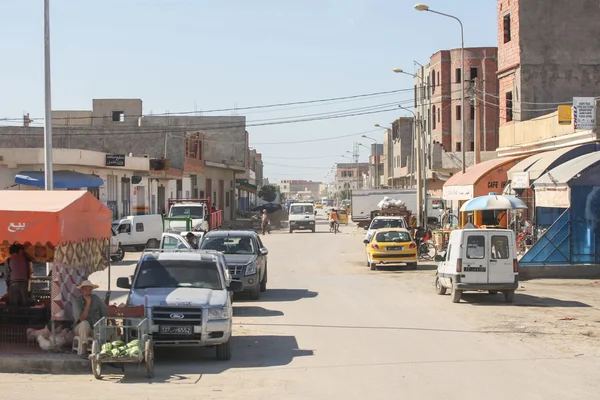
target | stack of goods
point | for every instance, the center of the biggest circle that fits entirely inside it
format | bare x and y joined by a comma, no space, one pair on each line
388,202
64,338
118,348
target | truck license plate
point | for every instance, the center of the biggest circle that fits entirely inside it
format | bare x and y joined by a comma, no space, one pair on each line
176,330
394,248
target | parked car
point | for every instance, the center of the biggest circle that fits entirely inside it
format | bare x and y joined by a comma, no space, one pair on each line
188,298
479,259
391,246
381,222
178,241
139,231
246,257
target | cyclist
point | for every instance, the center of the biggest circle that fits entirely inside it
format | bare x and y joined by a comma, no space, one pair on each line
333,219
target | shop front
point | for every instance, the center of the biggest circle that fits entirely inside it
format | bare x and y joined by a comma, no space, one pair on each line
569,194
71,230
478,180
523,176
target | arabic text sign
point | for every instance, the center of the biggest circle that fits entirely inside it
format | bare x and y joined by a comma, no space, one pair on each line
520,180
15,227
464,192
115,160
584,112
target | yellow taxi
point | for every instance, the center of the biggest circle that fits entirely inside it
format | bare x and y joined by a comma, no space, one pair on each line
391,246
342,216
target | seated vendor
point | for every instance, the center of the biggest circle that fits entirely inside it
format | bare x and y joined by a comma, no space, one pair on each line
87,310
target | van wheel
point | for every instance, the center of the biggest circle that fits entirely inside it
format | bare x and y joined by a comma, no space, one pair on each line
439,288
373,266
291,230
509,296
455,294
152,244
119,255
492,292
263,283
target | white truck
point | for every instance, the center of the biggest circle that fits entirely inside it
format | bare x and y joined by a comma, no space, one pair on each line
302,216
199,210
366,201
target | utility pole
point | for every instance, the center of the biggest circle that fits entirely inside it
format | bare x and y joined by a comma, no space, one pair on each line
476,133
49,175
356,158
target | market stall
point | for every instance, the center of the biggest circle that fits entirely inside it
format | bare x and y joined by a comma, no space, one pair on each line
70,229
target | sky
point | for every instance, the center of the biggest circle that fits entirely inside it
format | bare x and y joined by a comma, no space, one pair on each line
194,55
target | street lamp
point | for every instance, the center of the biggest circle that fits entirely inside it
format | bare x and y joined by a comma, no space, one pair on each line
418,173
424,7
376,160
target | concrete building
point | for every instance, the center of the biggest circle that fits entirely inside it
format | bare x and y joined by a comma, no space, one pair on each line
547,54
376,168
291,188
440,112
121,186
249,182
189,156
397,155
351,175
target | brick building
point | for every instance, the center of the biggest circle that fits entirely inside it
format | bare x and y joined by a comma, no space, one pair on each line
547,54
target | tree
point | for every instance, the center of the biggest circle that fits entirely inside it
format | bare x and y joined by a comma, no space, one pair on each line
268,193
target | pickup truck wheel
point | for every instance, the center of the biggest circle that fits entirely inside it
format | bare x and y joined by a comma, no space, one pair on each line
455,294
492,292
412,266
224,351
313,230
120,255
439,288
509,296
263,283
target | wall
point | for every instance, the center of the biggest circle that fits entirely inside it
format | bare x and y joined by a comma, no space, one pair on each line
228,176
225,137
537,129
103,108
72,118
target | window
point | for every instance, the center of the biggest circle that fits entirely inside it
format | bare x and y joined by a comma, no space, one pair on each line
509,106
458,113
476,247
432,81
193,147
415,96
472,112
473,73
448,253
229,244
458,146
506,28
472,145
393,236
118,116
433,113
139,227
457,75
438,115
438,79
178,273
499,247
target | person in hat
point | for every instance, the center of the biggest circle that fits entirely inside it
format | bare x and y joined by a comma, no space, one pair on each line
191,239
87,310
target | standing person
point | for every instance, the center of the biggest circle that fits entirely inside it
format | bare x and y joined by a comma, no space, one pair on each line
88,309
264,224
191,239
18,272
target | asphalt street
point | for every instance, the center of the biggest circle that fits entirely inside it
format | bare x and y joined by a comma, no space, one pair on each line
329,328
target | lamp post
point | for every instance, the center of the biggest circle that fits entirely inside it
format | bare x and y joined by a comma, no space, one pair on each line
48,174
424,7
376,160
418,172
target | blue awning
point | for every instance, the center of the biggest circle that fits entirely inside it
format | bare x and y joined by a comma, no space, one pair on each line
62,179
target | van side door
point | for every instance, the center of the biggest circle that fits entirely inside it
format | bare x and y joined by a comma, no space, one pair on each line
474,257
501,254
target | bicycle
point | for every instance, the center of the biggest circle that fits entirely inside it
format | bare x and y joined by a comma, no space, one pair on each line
334,227
427,251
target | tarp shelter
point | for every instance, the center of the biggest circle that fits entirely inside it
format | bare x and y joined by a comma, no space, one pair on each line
571,191
71,229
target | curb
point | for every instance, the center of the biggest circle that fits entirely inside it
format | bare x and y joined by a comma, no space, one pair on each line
43,365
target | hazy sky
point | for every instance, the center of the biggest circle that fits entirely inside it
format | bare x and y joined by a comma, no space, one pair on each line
182,55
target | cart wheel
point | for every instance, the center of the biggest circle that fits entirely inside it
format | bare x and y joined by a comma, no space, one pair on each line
149,359
96,368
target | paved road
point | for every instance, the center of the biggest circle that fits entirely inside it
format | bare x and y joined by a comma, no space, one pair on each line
329,328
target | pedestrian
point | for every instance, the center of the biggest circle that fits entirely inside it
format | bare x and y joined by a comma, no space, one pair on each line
87,310
265,223
18,273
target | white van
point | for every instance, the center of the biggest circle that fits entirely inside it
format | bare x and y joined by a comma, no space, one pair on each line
479,259
302,216
139,231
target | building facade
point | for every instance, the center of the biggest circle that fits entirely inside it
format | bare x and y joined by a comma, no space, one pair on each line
351,176
547,54
299,188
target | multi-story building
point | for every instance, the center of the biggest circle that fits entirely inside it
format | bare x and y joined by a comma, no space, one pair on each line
189,156
376,165
398,154
351,176
440,112
547,54
293,188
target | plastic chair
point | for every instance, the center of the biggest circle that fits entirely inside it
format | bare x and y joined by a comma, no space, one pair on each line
78,345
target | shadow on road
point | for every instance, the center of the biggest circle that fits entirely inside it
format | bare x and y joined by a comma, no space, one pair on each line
255,311
187,365
521,300
287,295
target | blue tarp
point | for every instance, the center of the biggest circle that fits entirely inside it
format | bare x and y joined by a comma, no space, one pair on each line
62,179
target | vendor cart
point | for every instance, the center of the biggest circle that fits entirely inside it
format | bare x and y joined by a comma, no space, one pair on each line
123,337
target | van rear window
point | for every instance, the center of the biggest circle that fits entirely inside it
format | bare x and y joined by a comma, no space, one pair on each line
476,247
499,248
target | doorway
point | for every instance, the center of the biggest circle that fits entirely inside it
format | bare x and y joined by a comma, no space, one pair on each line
161,200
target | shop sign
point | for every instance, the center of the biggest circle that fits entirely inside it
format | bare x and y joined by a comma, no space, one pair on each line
552,197
464,192
584,112
115,160
497,184
520,180
565,115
